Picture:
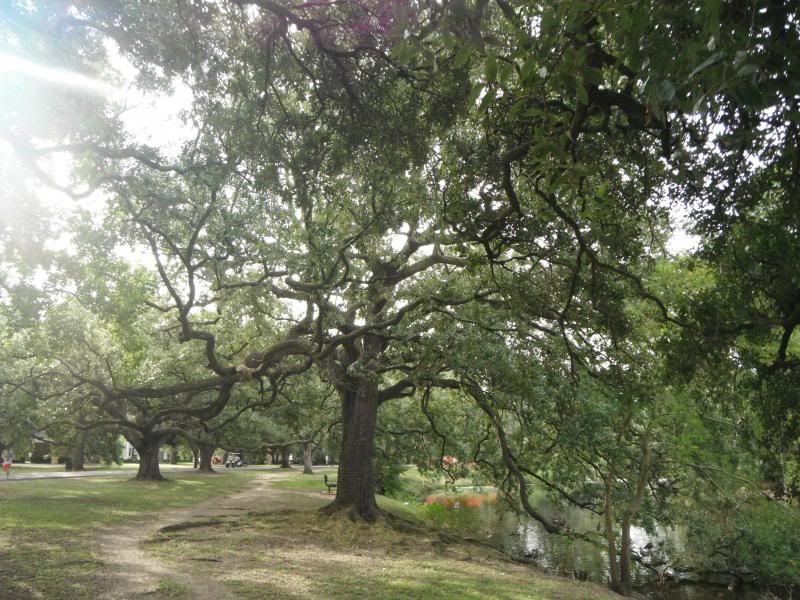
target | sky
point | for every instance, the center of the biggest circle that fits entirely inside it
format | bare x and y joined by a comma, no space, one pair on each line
150,118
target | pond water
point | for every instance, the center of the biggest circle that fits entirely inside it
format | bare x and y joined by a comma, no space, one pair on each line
477,513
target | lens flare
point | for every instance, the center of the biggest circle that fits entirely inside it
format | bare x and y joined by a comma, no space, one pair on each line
56,76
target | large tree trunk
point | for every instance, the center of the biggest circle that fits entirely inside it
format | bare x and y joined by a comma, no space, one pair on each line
77,456
195,457
206,454
355,492
173,455
308,450
149,469
626,572
285,458
608,523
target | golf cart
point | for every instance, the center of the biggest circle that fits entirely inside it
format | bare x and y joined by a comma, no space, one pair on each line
234,460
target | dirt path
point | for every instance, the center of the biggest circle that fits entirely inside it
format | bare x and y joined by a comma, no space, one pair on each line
132,573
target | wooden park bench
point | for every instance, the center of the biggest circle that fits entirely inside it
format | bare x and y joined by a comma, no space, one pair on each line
331,484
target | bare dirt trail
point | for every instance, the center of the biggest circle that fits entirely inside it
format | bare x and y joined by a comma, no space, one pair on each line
131,573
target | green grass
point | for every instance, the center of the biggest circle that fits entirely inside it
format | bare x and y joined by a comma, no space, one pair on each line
172,590
47,529
296,480
47,468
315,483
80,503
313,556
47,526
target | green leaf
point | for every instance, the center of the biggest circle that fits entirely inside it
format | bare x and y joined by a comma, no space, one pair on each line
475,93
506,73
749,94
462,56
699,103
593,75
491,68
711,60
655,106
746,70
583,95
404,52
487,99
665,90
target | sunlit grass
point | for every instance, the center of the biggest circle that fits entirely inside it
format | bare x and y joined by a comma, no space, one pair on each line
92,502
296,480
47,526
314,556
19,467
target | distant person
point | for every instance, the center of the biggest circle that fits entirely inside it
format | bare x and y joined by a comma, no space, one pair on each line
7,466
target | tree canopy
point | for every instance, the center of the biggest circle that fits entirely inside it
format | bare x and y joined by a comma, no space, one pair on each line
468,204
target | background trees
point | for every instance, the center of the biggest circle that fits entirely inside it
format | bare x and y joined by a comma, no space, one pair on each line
404,198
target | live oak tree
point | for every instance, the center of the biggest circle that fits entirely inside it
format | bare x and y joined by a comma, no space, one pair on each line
550,424
738,165
243,207
347,165
305,413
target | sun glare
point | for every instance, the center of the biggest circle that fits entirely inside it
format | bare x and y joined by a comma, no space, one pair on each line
63,77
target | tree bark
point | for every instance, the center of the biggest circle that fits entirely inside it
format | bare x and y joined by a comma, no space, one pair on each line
285,458
308,450
195,457
78,454
206,452
147,449
173,455
355,492
626,573
608,522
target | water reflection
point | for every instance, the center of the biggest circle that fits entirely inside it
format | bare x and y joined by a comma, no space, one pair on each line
478,513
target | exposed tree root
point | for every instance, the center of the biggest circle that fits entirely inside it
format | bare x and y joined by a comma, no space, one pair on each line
449,538
150,478
405,525
190,525
368,514
217,560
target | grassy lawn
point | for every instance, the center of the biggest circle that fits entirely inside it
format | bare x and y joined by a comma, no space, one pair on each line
292,551
47,526
284,548
47,468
